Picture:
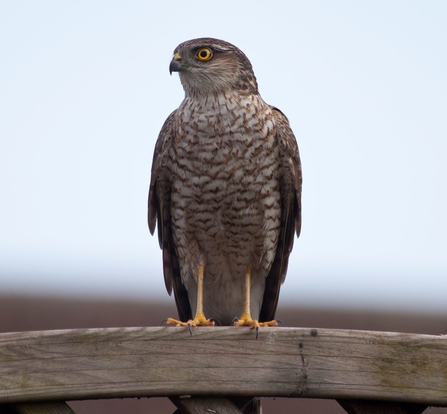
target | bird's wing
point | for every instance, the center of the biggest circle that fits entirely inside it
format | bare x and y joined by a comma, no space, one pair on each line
159,211
290,188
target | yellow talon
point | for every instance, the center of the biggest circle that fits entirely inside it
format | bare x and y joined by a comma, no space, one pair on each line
246,319
199,319
253,323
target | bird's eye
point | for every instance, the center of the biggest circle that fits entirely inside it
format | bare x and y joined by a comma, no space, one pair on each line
205,53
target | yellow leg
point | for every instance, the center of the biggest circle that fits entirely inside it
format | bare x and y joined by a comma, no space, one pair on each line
246,319
199,319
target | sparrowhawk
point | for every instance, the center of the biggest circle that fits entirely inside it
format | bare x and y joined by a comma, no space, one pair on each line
225,191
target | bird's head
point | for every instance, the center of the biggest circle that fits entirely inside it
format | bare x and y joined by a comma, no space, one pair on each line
210,66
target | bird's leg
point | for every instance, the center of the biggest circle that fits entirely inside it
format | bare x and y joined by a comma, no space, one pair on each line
246,319
199,319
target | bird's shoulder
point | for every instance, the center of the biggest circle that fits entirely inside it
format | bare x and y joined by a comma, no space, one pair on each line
165,136
286,137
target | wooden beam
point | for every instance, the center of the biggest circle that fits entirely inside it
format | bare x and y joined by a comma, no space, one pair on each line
222,361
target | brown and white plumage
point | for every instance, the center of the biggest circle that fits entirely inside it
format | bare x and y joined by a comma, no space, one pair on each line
225,188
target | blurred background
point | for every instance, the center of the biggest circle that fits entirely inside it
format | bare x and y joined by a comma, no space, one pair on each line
85,88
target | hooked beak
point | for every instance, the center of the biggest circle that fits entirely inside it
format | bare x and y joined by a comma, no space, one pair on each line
176,64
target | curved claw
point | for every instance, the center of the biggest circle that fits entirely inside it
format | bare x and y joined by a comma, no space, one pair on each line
216,321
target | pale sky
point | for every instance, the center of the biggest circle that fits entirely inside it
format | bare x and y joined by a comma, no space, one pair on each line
85,88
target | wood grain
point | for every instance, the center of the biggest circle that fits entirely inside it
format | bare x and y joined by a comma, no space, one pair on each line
222,361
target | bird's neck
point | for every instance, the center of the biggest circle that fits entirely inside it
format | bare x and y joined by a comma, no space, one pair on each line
217,104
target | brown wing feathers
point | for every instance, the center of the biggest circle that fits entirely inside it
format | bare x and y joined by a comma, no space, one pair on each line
290,183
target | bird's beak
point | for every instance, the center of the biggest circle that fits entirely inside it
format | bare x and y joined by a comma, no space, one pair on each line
176,64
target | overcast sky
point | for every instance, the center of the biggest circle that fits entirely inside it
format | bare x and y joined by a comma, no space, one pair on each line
85,88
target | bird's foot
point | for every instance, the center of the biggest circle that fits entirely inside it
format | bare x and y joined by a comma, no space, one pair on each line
199,320
247,320
269,323
252,323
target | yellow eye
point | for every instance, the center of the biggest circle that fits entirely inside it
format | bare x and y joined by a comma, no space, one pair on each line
205,53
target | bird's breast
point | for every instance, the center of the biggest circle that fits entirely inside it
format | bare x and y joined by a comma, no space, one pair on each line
225,168
224,136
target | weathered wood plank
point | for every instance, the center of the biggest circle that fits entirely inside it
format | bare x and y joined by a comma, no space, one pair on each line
222,361
36,408
205,405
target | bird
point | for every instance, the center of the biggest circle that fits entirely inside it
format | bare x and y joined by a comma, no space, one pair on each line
225,192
